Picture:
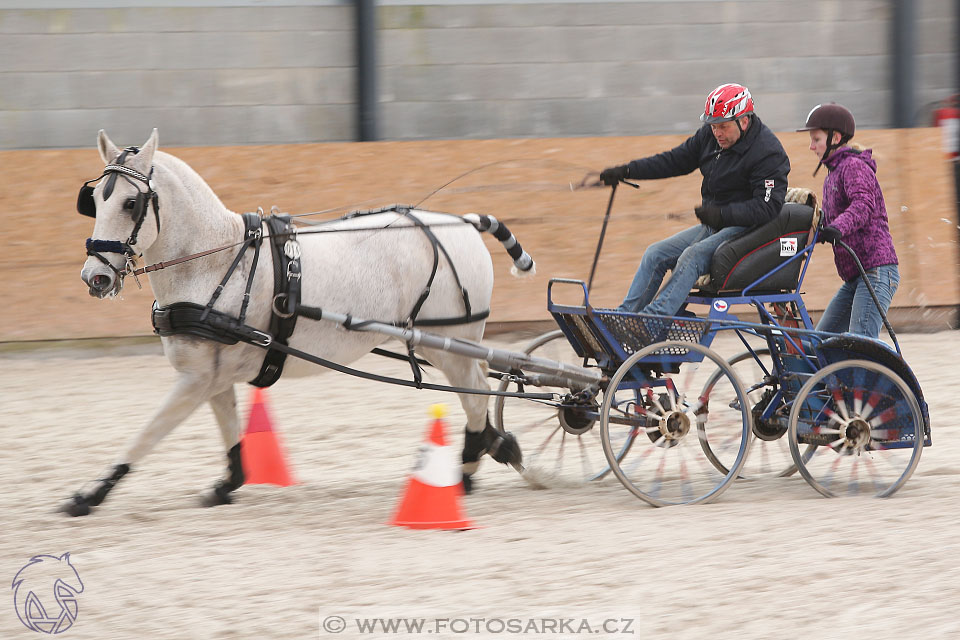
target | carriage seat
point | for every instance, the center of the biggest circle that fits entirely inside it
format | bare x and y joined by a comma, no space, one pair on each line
740,261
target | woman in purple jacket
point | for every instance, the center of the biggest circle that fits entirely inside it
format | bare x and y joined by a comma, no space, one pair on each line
855,213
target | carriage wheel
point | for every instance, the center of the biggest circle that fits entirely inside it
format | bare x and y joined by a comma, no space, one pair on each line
560,445
660,415
865,426
769,451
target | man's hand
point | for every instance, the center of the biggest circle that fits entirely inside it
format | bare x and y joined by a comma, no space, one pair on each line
829,234
710,215
613,175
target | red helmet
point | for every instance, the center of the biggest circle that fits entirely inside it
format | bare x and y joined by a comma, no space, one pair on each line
727,102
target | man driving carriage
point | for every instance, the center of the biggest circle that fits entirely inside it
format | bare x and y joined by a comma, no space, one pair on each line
744,184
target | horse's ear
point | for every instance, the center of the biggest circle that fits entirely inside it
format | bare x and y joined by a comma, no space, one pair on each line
144,158
108,150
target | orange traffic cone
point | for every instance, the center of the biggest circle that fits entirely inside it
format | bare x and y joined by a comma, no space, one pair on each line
260,450
432,497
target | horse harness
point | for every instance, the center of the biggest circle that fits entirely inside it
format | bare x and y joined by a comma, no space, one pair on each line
204,321
86,206
188,318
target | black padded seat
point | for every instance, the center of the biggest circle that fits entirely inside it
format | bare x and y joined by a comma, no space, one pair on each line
742,260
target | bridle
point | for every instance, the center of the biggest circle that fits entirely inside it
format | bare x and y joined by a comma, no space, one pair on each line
86,206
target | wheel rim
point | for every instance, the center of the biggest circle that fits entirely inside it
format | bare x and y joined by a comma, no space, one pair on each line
661,419
561,445
865,426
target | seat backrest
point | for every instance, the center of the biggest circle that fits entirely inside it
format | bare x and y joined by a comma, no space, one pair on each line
739,262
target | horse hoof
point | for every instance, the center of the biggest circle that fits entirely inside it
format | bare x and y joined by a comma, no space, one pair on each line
76,506
506,450
215,499
467,484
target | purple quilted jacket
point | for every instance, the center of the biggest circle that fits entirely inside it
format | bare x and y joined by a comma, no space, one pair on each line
853,203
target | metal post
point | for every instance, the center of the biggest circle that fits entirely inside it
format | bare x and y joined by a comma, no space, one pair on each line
904,27
366,70
956,160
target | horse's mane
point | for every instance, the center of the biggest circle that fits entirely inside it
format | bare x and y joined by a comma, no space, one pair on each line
185,173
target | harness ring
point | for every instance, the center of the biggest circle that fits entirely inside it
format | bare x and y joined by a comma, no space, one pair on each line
277,310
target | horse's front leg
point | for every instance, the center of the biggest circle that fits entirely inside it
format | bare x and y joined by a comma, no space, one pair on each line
186,395
224,407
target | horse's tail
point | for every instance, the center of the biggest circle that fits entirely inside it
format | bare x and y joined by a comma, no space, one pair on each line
523,264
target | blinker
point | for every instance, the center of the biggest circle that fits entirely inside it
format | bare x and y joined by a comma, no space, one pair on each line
85,204
140,206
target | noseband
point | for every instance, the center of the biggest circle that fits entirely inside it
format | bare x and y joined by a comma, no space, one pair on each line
86,206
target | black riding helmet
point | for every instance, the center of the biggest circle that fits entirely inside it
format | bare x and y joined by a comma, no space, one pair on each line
831,117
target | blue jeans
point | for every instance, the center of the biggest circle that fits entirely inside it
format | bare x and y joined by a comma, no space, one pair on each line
688,254
852,309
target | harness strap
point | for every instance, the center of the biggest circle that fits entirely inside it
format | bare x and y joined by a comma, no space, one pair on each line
253,232
185,318
87,207
396,381
398,356
316,313
194,319
253,237
115,168
208,323
437,247
286,287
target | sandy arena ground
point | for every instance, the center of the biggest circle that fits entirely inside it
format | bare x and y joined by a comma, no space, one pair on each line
770,559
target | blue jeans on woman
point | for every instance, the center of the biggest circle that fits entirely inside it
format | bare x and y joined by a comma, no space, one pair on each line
852,309
688,254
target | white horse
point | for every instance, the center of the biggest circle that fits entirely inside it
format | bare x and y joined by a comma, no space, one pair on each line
376,273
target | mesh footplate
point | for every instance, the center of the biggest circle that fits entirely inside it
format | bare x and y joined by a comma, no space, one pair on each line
578,326
636,332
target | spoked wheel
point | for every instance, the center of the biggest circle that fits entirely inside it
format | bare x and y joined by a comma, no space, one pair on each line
769,451
561,445
865,426
660,418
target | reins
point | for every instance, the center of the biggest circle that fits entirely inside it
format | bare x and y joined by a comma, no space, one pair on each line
193,256
113,169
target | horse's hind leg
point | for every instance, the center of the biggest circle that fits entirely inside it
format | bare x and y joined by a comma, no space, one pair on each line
224,405
480,436
186,395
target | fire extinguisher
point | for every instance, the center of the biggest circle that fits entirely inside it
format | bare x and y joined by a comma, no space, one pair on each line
947,117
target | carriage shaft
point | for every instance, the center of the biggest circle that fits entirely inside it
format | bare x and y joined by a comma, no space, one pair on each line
556,373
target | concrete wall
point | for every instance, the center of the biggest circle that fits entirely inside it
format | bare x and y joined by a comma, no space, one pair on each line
283,71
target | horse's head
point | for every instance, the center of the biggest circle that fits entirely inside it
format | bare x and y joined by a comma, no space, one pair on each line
127,214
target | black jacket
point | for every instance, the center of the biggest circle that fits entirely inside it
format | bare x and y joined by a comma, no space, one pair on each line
748,181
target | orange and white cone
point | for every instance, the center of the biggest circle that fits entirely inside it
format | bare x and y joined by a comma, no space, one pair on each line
260,448
432,496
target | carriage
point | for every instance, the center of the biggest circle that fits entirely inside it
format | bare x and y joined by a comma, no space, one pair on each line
649,399
676,420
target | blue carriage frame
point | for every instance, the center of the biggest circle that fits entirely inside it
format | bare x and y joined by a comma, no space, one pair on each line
609,337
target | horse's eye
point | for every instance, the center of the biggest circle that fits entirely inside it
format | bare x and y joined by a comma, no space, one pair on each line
130,204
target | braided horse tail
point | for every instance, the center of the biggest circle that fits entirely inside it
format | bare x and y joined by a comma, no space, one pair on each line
523,264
